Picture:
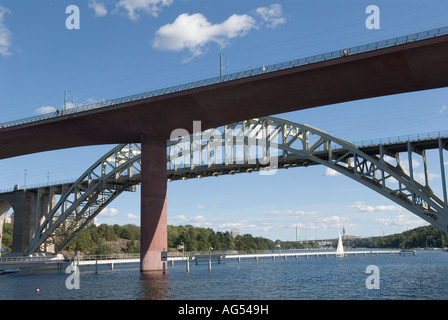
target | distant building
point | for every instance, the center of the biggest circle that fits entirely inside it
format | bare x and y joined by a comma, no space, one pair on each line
329,242
10,218
234,233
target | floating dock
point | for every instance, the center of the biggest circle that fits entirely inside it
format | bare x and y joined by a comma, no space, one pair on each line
42,262
315,254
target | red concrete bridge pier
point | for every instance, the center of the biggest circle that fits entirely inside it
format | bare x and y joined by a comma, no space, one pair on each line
153,216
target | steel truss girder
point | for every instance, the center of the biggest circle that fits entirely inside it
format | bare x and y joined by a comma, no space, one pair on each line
115,172
283,144
262,144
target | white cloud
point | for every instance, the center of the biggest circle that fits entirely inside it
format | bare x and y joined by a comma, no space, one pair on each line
266,226
194,32
98,7
48,109
243,225
331,173
109,212
272,16
5,34
443,109
131,216
231,225
323,223
332,220
93,100
298,213
70,105
180,217
197,221
201,206
362,207
314,221
420,176
197,218
402,221
45,109
405,164
133,7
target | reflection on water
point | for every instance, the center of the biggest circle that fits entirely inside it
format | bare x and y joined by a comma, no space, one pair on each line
154,286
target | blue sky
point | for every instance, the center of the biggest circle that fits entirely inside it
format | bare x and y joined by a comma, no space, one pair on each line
130,46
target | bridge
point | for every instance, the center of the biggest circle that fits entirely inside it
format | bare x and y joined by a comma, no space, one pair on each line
264,145
146,121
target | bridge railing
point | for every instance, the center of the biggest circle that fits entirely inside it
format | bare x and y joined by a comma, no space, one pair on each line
38,185
108,257
22,259
395,139
239,75
192,254
404,138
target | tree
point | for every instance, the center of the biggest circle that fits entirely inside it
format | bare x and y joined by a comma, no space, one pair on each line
103,249
107,233
7,237
133,246
130,232
173,237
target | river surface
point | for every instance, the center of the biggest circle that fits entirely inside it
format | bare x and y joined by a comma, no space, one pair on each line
401,277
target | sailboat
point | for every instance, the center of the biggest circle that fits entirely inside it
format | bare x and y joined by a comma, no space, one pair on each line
340,249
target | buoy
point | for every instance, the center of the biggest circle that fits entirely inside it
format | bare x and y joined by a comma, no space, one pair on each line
37,290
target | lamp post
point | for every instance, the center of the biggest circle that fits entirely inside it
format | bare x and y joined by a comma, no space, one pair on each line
279,249
65,103
210,258
182,246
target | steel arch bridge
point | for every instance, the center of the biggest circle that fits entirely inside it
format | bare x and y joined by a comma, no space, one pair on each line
263,144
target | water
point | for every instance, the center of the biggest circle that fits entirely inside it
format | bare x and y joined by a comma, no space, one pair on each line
423,277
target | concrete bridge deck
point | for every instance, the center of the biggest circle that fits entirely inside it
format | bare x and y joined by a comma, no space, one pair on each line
403,64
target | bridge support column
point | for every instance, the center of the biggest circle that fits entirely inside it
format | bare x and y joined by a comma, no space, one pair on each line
153,217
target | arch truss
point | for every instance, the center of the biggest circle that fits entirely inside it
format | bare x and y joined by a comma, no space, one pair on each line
264,145
79,202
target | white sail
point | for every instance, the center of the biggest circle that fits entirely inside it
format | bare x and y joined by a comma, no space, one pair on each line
340,249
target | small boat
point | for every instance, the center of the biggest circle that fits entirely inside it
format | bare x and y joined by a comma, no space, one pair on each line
8,271
340,249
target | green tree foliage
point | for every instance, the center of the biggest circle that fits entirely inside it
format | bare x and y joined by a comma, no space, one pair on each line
97,240
7,237
129,232
91,240
133,246
201,239
420,237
